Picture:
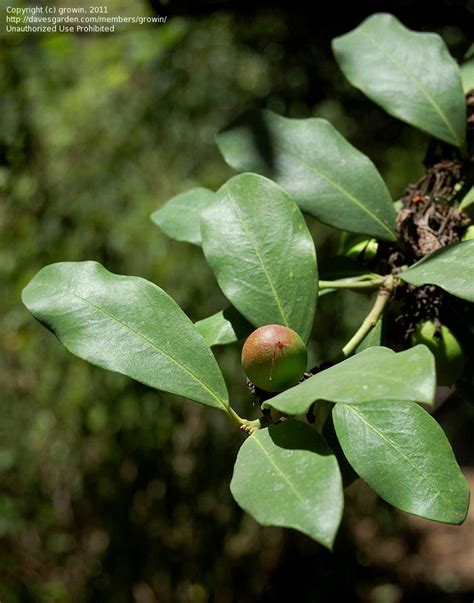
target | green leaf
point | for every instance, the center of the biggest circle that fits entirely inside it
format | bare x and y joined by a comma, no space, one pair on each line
257,243
467,75
467,200
451,268
128,325
467,206
324,174
180,217
411,75
372,339
287,476
373,374
404,455
224,327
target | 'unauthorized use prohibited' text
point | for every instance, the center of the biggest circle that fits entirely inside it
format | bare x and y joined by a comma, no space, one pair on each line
72,19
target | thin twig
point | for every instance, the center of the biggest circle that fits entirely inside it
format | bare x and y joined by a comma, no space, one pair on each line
371,283
371,319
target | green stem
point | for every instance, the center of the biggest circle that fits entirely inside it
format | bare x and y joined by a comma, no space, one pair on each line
366,285
243,424
371,319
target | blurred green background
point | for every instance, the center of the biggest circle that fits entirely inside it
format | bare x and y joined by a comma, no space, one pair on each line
113,492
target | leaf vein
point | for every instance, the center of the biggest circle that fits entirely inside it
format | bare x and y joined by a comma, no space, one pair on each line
337,186
154,345
260,258
431,100
285,477
400,452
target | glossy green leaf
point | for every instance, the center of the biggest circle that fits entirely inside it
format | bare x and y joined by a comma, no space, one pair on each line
451,268
180,217
373,374
323,173
372,339
257,243
224,327
287,476
404,455
411,75
128,325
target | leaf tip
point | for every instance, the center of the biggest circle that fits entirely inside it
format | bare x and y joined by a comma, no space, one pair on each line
153,216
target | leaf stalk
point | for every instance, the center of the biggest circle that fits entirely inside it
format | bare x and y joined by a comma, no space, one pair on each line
244,425
370,282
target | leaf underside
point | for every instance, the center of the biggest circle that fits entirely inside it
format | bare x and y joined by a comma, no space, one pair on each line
224,327
180,217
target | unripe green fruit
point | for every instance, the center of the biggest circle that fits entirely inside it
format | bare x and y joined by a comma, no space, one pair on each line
445,348
358,247
274,358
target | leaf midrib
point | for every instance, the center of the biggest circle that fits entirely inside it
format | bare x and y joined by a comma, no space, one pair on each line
357,374
449,261
417,83
235,205
255,439
337,186
400,452
153,345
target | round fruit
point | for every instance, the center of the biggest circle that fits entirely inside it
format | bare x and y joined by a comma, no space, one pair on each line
358,247
445,348
274,358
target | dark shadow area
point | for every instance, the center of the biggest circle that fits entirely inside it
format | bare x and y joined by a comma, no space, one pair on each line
241,326
295,435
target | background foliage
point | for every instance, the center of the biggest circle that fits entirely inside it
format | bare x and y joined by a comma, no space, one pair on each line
114,492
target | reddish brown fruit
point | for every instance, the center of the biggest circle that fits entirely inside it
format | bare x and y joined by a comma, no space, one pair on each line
274,358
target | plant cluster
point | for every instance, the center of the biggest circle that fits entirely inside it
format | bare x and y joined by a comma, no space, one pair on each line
362,408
